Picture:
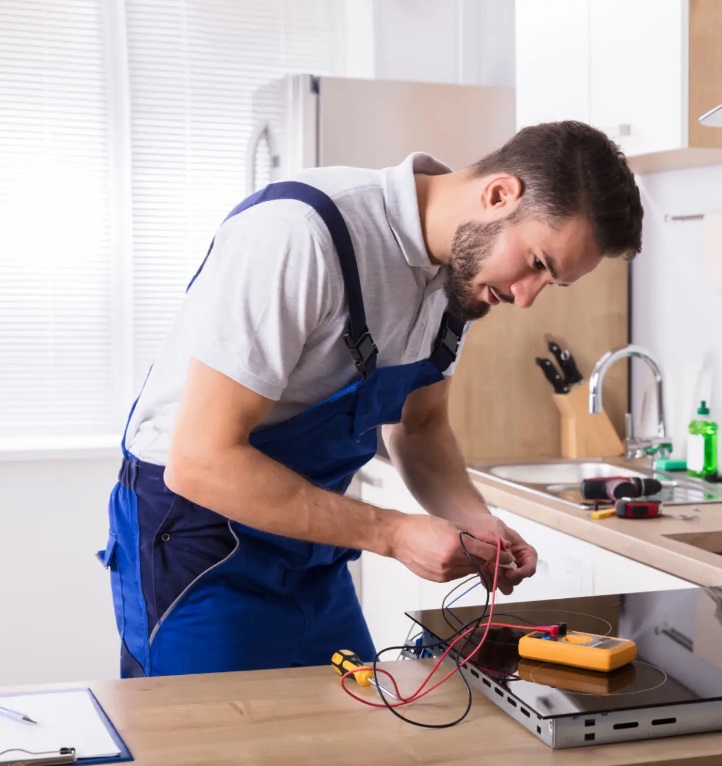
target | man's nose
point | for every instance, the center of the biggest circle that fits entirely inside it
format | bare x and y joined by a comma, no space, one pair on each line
525,291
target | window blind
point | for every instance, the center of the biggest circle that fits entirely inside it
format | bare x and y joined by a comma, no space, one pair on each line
81,319
56,371
194,66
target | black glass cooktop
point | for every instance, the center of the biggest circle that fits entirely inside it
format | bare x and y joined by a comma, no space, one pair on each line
678,666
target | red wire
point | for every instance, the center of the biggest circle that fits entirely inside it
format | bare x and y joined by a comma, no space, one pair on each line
419,693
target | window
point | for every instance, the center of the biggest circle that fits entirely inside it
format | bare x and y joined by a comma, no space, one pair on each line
123,128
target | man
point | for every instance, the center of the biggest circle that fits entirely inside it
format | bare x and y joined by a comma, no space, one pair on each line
326,307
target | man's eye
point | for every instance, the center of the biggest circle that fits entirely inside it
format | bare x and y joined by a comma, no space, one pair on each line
538,264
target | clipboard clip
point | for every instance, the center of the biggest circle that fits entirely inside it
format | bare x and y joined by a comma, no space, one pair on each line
64,755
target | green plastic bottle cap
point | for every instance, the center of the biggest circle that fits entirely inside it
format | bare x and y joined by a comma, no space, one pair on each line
703,409
668,464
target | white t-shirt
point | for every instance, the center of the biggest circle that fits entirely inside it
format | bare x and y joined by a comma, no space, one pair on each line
269,307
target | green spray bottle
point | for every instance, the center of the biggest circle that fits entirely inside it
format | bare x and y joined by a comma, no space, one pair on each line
702,444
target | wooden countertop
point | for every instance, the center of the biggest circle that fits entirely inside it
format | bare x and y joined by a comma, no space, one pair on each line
301,716
647,541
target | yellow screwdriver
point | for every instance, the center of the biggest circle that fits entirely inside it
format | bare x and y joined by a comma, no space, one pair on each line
344,660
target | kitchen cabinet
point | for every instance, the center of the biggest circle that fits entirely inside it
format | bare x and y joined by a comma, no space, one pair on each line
618,574
641,70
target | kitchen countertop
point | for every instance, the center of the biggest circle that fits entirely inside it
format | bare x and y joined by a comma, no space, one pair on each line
301,716
644,540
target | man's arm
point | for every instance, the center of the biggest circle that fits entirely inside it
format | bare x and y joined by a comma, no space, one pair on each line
424,450
212,463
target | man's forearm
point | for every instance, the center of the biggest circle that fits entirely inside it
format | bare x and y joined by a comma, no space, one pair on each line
431,464
247,486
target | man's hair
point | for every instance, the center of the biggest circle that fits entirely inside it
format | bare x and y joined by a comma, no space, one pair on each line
568,169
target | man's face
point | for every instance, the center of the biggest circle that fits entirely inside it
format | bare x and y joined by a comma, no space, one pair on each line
513,262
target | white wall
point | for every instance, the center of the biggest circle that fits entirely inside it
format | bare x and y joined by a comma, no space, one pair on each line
56,615
675,312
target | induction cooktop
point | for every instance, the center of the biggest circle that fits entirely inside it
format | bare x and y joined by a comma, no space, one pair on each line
673,687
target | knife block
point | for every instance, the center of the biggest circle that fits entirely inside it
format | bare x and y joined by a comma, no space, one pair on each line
584,434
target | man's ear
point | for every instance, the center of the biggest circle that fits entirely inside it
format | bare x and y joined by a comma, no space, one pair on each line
502,192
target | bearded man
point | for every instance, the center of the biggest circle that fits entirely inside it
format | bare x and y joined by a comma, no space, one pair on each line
331,305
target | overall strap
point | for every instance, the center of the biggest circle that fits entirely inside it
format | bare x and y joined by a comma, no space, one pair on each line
447,342
357,336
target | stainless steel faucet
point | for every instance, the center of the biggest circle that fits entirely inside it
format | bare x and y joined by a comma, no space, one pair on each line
634,446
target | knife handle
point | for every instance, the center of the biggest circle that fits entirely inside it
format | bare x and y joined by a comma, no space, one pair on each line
566,362
551,374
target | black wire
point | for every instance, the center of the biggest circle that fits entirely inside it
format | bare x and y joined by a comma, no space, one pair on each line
459,659
459,655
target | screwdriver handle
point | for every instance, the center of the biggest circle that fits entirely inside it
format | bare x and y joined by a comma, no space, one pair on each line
345,661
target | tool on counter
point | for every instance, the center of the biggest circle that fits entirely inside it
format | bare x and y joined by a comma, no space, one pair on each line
580,650
614,487
626,508
345,661
641,508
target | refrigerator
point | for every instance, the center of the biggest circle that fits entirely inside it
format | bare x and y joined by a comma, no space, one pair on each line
305,121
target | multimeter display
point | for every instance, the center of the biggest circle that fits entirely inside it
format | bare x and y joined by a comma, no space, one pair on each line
580,650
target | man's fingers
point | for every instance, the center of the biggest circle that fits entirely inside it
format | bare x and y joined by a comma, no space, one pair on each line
484,547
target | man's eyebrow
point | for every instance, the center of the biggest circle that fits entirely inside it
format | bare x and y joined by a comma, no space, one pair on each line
551,268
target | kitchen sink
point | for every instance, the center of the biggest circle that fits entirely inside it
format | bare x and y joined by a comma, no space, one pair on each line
559,473
560,479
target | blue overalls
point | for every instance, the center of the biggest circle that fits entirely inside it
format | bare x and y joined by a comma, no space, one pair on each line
195,592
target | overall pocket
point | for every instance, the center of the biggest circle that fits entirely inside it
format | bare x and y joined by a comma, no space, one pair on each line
121,558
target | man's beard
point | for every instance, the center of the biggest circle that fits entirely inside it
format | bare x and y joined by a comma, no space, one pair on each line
470,247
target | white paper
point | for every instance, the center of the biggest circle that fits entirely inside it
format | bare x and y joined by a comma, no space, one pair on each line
65,719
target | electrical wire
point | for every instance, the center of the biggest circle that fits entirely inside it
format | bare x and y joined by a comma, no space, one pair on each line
461,634
464,633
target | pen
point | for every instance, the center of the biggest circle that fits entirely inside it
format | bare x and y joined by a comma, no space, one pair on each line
15,715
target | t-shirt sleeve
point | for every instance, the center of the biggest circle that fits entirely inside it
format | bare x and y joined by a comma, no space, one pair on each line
262,293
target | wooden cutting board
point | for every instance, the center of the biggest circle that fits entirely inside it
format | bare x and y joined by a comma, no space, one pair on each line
501,404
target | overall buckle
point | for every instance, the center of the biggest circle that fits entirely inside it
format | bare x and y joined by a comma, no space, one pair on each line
447,339
361,349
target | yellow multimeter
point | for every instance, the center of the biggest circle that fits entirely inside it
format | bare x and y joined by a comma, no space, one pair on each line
580,650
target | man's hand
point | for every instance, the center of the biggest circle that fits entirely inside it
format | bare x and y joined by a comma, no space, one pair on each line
430,547
525,556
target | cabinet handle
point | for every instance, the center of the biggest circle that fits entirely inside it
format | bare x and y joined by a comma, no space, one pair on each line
617,131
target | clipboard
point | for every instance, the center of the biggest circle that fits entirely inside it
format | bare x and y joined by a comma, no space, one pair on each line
67,753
